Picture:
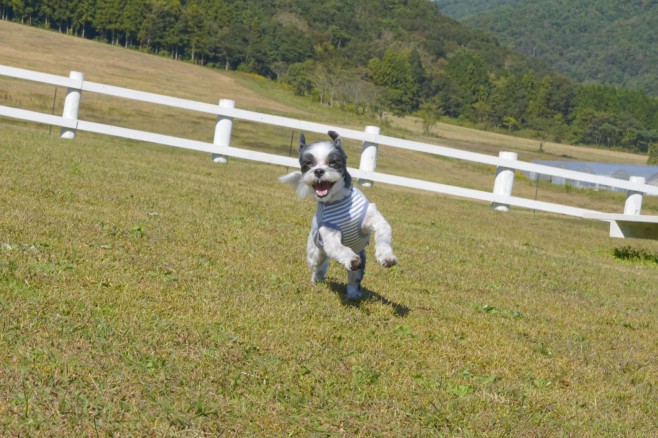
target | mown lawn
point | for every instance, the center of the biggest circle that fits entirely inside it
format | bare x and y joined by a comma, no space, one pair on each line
146,291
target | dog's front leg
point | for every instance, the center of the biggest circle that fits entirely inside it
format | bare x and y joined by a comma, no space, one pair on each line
331,242
375,223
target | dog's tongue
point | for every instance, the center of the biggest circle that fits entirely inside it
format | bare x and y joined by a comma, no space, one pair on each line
322,189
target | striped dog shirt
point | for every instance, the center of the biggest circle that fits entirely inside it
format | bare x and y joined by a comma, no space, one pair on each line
347,216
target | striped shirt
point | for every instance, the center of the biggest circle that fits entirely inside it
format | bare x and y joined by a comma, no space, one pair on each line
347,216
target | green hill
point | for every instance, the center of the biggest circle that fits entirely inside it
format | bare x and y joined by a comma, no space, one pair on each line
607,42
373,58
460,9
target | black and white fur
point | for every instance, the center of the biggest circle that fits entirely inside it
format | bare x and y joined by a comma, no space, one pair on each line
324,176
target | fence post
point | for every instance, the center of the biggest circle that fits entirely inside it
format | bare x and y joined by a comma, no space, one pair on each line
504,181
72,104
369,156
223,129
633,204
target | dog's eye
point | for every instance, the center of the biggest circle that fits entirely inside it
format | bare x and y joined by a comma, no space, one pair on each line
306,165
334,163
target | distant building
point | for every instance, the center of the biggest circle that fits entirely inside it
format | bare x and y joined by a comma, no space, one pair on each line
619,171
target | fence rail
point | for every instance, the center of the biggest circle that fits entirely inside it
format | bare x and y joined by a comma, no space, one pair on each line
506,163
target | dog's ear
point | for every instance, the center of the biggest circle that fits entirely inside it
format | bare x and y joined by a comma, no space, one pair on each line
336,138
302,143
348,179
338,142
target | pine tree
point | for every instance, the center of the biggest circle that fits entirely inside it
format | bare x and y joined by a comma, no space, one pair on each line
653,155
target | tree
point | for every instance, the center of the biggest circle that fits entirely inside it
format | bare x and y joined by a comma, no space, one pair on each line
196,31
159,25
394,73
299,76
57,13
357,95
647,141
24,9
107,19
470,73
326,79
511,123
429,114
561,96
82,18
508,99
653,155
287,44
130,21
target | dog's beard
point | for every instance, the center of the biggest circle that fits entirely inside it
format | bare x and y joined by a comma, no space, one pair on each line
329,188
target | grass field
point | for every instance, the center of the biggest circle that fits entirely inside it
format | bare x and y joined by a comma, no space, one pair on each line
146,291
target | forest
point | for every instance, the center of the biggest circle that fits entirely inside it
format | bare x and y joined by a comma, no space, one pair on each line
607,41
368,56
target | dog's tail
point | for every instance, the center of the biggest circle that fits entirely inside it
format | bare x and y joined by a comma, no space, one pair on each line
292,178
295,180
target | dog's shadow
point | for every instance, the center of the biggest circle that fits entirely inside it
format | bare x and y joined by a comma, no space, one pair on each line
341,290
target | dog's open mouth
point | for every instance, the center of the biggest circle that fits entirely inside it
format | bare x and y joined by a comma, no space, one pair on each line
322,188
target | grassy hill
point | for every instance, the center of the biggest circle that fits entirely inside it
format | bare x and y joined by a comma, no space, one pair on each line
146,291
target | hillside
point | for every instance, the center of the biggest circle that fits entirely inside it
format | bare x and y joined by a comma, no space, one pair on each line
370,58
51,52
318,48
607,42
461,10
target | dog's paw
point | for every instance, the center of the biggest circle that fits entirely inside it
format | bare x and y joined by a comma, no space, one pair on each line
354,293
317,277
385,256
389,261
354,263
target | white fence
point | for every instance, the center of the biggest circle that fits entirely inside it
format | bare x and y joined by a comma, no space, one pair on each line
501,198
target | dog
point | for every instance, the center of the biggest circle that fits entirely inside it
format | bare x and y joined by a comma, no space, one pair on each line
344,220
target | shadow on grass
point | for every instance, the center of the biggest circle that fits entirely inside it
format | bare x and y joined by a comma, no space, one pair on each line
368,295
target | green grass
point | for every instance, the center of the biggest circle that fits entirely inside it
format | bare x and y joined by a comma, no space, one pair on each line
147,291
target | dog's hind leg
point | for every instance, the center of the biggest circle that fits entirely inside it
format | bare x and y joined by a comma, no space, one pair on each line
354,279
317,260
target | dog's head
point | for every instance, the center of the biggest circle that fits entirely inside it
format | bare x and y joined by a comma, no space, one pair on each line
323,170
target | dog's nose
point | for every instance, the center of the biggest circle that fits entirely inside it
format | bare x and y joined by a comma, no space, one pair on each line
319,173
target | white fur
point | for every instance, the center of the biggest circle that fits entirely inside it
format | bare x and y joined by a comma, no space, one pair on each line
294,179
303,183
332,248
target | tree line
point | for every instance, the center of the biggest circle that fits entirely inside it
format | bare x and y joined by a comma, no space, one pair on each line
367,56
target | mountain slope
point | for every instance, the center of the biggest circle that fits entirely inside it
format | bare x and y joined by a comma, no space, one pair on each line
462,9
609,41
